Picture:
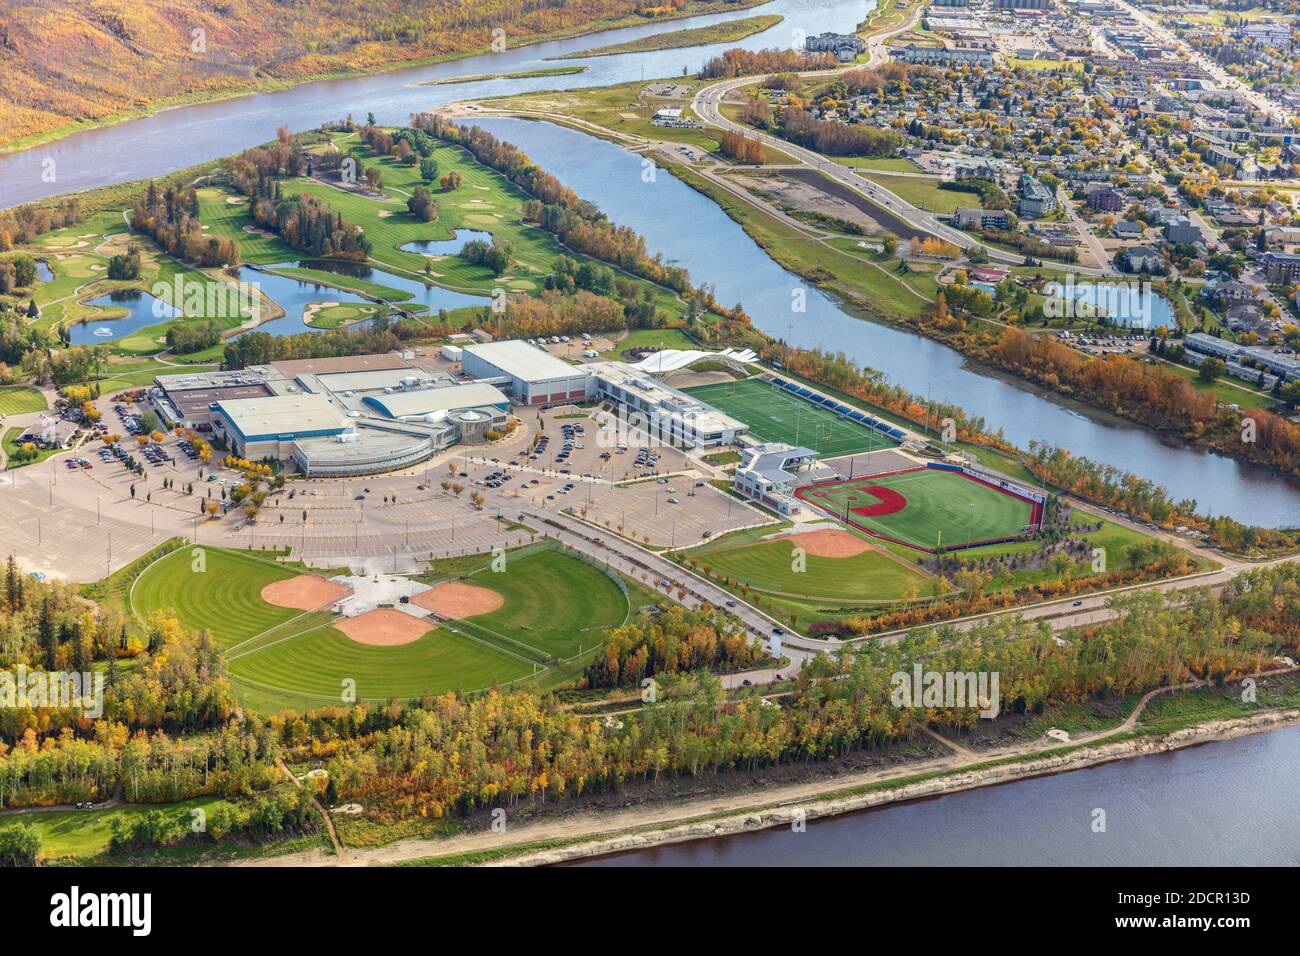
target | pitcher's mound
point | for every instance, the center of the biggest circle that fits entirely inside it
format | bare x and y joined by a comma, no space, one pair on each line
829,543
306,592
384,627
454,599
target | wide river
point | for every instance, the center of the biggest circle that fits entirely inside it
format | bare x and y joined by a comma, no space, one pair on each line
685,226
1226,803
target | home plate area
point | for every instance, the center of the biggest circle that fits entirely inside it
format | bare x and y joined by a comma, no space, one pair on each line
387,610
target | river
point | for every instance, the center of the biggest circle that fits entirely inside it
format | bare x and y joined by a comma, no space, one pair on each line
676,220
184,136
1225,803
718,252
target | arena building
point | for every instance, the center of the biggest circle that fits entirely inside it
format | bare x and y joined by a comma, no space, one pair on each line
530,375
354,415
364,414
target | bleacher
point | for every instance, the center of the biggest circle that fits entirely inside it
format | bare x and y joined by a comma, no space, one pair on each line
839,408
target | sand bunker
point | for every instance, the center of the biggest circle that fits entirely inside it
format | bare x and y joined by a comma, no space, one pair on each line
829,543
306,592
384,627
235,200
455,599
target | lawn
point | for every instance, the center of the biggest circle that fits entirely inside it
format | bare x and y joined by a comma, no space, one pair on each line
774,415
81,834
21,399
555,605
225,596
932,508
924,192
9,440
768,566
655,339
315,664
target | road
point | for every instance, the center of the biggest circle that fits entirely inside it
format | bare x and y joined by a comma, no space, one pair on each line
1225,79
707,106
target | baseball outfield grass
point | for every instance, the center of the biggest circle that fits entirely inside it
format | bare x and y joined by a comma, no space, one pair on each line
925,508
555,606
772,566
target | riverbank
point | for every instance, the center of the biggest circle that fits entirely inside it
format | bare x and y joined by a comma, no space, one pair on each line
267,84
781,815
1162,720
728,31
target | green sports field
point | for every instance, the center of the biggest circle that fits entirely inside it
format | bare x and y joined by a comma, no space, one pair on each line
935,508
776,415
555,607
768,566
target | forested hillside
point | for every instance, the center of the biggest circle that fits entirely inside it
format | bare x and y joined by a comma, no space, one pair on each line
65,62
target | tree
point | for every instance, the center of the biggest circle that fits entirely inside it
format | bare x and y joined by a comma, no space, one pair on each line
1211,369
429,169
20,845
422,205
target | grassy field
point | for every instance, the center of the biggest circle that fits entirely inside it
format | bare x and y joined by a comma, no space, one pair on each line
80,834
941,508
867,283
924,193
774,415
21,399
626,109
555,607
225,596
725,32
9,440
655,339
767,565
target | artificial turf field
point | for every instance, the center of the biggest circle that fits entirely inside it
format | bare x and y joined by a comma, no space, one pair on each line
935,508
554,606
775,415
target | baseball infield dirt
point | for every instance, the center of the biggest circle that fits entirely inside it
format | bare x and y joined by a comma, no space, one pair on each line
455,599
384,627
829,543
305,592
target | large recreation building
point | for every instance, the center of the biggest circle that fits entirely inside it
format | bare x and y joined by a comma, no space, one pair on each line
366,414
355,415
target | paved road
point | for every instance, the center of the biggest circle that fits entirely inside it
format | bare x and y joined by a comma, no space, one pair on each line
1223,77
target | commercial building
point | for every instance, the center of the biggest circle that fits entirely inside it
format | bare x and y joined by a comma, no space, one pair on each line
941,56
846,47
530,375
770,473
661,410
353,415
1249,358
972,218
1035,198
257,428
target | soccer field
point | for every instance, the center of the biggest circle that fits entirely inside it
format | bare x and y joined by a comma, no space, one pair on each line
925,508
775,415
